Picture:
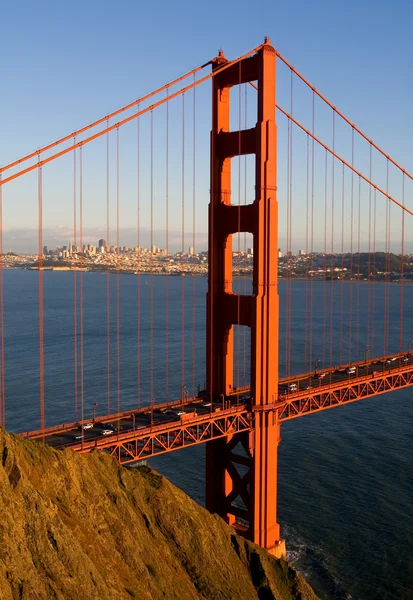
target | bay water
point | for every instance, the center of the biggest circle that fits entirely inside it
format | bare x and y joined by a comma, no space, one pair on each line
345,475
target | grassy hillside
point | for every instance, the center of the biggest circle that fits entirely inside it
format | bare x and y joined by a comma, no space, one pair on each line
82,527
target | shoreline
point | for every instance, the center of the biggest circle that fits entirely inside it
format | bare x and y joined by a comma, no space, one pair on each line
200,274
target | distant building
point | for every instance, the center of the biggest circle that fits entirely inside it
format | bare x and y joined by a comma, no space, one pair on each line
302,253
102,243
191,250
45,250
280,254
250,251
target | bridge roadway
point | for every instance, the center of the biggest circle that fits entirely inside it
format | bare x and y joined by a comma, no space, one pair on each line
141,433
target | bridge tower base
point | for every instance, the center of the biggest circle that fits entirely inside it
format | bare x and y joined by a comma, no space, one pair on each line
241,476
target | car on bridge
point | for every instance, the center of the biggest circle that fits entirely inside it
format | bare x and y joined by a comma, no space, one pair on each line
107,432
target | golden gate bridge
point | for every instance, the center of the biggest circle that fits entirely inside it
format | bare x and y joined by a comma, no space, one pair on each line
275,141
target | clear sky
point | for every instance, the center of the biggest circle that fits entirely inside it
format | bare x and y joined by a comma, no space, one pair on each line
67,63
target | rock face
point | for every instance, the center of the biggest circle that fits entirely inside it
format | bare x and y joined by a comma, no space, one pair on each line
81,528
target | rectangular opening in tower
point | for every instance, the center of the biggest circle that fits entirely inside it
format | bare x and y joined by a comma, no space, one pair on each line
243,106
242,356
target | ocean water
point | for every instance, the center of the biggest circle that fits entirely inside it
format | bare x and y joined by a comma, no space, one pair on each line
345,475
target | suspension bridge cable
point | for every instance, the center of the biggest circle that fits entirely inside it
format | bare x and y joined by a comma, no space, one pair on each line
40,282
311,262
124,121
239,232
307,288
245,239
346,163
82,382
402,275
167,253
369,315
358,270
103,119
183,250
75,337
325,262
342,269
108,275
193,238
118,272
350,328
138,239
342,116
151,281
2,380
332,247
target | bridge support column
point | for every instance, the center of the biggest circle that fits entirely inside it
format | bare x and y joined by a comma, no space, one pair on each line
242,469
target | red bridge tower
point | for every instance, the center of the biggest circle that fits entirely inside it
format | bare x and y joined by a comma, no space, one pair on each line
242,487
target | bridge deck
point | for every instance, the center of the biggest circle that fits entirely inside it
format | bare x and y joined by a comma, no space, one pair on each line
138,434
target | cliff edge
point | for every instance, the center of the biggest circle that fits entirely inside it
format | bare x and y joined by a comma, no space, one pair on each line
82,528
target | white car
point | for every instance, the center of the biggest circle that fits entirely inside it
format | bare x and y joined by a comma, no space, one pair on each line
88,426
180,413
206,404
107,432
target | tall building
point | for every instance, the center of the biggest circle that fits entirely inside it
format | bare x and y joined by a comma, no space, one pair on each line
102,243
45,250
191,250
302,253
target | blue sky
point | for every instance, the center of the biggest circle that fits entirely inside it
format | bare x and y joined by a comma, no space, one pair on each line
67,63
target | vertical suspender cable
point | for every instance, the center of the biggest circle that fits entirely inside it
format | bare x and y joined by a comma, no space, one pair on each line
350,329
193,238
211,273
310,357
307,220
244,343
75,255
183,251
138,224
369,262
287,291
107,269
342,269
358,271
82,389
2,386
167,253
117,272
373,272
323,360
402,274
151,282
239,235
289,233
332,244
291,230
41,323
387,269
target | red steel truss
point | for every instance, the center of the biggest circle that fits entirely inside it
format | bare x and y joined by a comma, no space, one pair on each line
159,439
259,311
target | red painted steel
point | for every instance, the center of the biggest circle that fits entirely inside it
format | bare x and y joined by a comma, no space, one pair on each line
259,311
238,420
244,431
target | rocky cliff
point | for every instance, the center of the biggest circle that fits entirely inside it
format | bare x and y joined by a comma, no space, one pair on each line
82,527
